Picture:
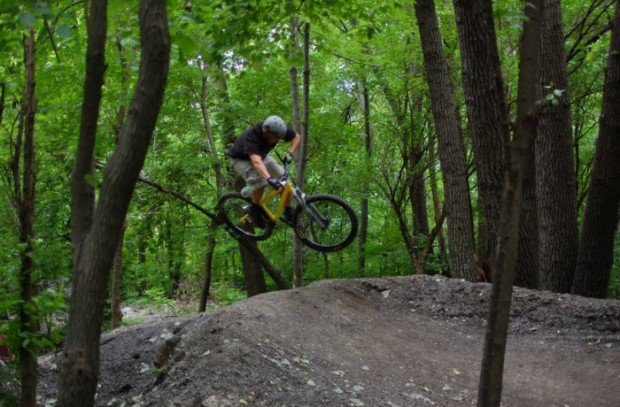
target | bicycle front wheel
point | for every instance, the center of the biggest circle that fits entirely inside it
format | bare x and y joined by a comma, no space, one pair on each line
234,210
327,223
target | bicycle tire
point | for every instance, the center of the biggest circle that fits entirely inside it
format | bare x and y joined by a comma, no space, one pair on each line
232,207
340,231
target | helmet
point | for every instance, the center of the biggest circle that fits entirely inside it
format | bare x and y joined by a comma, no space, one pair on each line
275,125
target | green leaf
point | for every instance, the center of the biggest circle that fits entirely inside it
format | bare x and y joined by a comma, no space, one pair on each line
186,44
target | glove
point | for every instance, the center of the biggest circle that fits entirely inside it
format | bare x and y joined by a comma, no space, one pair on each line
288,158
275,183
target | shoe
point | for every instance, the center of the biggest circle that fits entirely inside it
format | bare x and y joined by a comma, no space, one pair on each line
256,216
287,216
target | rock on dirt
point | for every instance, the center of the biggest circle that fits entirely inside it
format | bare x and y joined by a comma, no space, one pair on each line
405,341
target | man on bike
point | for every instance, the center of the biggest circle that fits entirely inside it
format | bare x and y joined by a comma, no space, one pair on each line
249,158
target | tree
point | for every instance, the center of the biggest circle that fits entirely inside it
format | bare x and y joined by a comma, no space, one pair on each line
211,150
457,199
486,109
25,203
527,264
555,177
363,232
117,269
601,216
504,271
94,254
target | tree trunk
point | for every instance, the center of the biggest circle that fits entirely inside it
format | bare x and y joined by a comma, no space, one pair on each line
428,246
219,180
27,322
527,262
486,109
298,249
79,362
82,188
363,231
452,155
117,279
601,217
418,196
206,281
492,368
436,203
555,176
302,155
253,275
174,244
117,270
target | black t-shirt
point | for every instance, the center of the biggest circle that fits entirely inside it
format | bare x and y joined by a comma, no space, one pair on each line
253,142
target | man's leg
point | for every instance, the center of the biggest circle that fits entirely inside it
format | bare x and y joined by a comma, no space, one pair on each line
256,184
257,194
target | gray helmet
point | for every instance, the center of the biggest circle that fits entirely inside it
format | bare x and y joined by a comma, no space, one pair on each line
275,125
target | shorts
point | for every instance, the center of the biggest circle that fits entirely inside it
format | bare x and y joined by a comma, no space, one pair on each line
251,176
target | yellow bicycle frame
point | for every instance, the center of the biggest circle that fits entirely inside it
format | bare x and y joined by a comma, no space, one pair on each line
284,193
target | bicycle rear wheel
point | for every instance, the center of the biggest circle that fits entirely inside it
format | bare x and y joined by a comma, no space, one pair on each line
327,223
234,210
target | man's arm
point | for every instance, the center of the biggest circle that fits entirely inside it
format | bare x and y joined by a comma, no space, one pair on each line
295,143
258,164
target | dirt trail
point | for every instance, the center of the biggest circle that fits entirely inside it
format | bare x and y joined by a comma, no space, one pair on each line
407,341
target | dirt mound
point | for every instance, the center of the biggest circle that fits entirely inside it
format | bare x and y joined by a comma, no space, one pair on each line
407,341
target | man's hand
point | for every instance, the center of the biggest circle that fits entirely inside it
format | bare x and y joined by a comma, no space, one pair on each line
288,158
275,183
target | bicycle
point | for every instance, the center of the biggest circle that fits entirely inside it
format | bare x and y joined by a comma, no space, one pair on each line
325,223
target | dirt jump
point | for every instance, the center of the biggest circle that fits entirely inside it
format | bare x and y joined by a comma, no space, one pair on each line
404,341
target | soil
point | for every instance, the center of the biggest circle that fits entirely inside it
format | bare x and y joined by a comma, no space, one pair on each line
405,341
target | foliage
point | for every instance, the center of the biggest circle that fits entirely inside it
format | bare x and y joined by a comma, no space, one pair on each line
352,42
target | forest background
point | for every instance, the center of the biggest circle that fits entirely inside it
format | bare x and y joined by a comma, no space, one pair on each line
371,139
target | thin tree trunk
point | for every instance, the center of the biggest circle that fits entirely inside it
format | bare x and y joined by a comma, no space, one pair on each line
117,270
27,322
302,156
2,99
527,262
418,196
219,180
206,281
451,152
82,188
363,231
492,368
436,203
601,217
117,279
428,246
555,176
486,109
298,249
79,362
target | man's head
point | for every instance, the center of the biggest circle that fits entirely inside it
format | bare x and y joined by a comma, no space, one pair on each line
275,126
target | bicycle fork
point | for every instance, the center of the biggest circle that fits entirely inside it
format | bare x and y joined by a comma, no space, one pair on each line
314,213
